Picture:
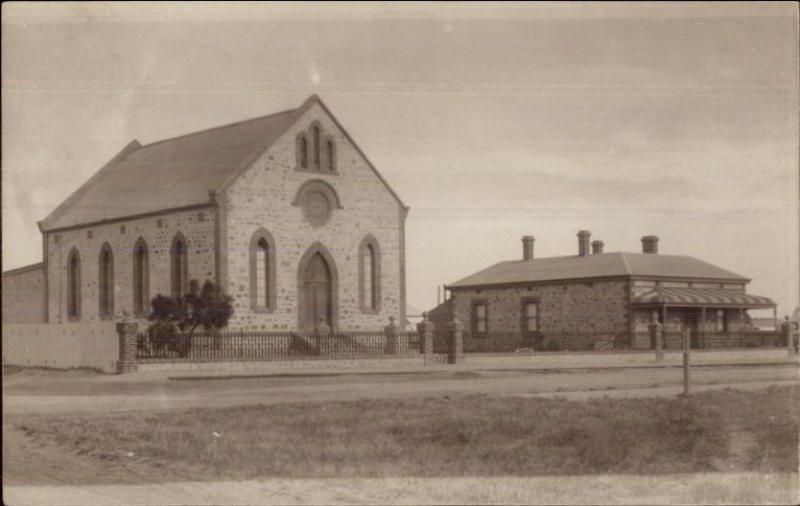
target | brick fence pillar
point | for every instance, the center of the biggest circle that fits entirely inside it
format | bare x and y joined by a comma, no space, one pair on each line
657,338
127,332
390,331
425,331
456,352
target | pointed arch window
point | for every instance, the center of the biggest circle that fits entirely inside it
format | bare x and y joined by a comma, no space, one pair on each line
141,278
369,275
74,285
330,155
105,282
180,267
303,152
316,137
262,271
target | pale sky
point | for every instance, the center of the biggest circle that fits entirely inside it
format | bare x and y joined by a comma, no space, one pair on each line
490,121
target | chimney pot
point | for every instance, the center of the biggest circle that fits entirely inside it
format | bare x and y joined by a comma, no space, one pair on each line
527,247
583,242
650,244
597,247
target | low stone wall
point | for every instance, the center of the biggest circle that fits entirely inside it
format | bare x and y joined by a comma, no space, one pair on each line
62,346
233,367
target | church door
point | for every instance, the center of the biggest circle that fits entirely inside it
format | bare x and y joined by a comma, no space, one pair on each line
316,294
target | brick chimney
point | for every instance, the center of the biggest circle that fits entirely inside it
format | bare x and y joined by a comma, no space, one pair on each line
527,247
583,242
597,247
650,244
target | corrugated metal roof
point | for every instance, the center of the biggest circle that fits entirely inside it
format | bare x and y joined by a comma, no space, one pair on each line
169,174
596,266
701,297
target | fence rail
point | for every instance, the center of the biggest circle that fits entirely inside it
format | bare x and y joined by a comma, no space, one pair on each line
202,346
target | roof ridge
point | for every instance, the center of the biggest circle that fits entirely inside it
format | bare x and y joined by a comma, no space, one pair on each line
220,127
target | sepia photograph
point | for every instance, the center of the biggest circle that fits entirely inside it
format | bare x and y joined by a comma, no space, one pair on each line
271,253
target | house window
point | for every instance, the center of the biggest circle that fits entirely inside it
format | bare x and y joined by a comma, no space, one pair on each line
262,271
721,323
106,282
531,316
141,278
369,274
179,271
479,318
316,133
74,285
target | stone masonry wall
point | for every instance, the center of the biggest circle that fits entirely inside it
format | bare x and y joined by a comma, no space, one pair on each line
580,308
122,236
23,295
263,196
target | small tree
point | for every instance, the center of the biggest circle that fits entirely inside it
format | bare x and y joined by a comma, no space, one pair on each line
208,308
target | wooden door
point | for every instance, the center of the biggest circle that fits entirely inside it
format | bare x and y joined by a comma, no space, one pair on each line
316,294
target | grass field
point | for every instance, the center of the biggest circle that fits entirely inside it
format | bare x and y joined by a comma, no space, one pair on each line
440,436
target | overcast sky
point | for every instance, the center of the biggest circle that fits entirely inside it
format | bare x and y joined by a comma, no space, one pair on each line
490,121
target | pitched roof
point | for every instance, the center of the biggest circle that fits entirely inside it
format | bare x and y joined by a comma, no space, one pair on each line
596,266
177,172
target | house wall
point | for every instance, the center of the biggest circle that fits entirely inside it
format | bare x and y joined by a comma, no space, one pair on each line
263,196
579,308
122,237
23,295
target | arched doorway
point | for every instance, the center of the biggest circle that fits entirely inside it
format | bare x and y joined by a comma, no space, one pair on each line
316,290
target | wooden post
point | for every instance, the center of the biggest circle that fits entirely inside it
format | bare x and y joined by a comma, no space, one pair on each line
657,334
390,331
702,343
788,334
425,330
456,351
687,339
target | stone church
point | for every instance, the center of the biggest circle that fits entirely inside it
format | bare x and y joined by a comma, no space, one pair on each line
284,212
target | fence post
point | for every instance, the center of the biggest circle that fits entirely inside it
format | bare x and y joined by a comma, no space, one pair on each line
425,331
127,332
657,336
391,337
687,341
456,351
788,334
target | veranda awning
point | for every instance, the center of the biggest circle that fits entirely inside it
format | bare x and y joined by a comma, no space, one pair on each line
701,297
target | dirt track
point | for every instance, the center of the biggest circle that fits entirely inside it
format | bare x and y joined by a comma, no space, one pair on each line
48,394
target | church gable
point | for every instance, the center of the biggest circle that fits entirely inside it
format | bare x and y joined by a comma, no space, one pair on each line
314,186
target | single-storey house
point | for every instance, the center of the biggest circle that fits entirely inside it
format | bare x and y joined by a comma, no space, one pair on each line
597,296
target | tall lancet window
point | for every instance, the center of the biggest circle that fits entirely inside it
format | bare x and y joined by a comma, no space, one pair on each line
179,271
74,285
370,275
105,281
141,278
262,271
317,158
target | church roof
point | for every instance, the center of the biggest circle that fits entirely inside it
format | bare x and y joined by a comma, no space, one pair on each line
175,173
596,266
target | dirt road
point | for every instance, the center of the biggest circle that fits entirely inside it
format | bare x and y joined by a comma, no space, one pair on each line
50,394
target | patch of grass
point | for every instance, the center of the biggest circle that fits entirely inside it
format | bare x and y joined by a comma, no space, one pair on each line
442,436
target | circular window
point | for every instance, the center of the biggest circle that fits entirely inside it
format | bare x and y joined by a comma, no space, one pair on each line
316,208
